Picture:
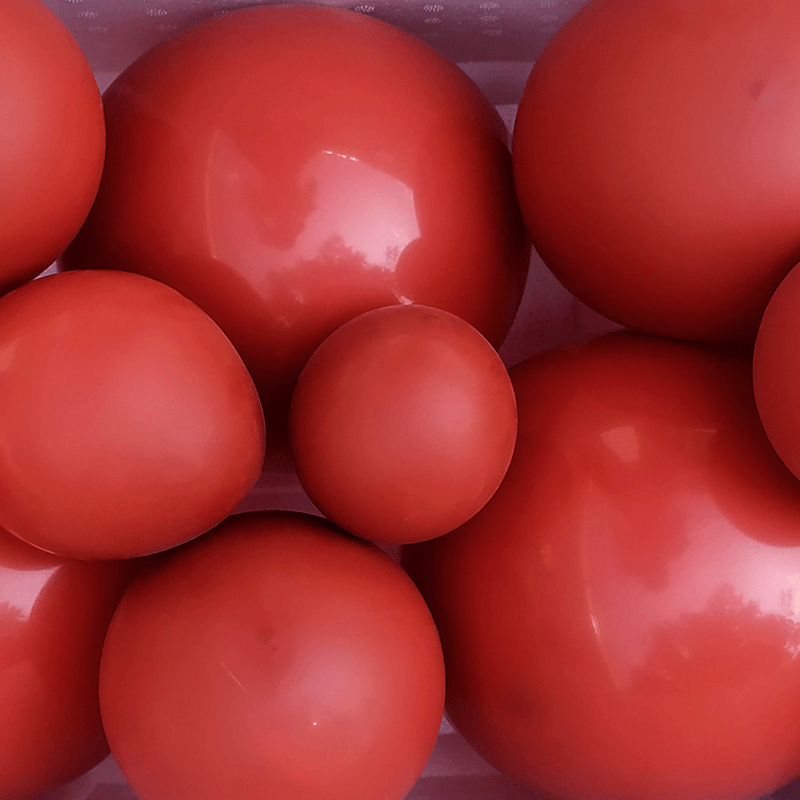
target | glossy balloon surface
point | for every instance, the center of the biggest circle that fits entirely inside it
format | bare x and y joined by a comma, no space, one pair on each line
276,658
54,614
776,371
622,620
52,139
656,161
403,424
129,423
290,168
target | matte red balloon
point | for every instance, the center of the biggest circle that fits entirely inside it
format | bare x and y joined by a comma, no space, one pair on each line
622,620
52,139
403,424
128,423
276,658
776,371
54,614
656,161
290,168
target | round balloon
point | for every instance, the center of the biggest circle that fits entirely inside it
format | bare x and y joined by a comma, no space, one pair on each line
776,371
54,614
277,658
129,422
402,424
656,162
52,139
622,619
290,168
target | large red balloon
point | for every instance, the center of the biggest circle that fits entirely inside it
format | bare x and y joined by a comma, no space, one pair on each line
290,168
54,614
622,620
128,423
656,161
275,658
52,139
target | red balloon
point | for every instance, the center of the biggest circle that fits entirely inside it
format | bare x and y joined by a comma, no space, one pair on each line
776,371
129,423
290,168
52,139
403,424
622,620
273,658
54,614
656,161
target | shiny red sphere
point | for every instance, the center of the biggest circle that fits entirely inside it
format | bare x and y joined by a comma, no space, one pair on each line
622,620
290,168
776,371
129,423
656,161
52,139
403,424
275,658
54,614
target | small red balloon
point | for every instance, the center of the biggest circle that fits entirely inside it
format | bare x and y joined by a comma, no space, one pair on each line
403,424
